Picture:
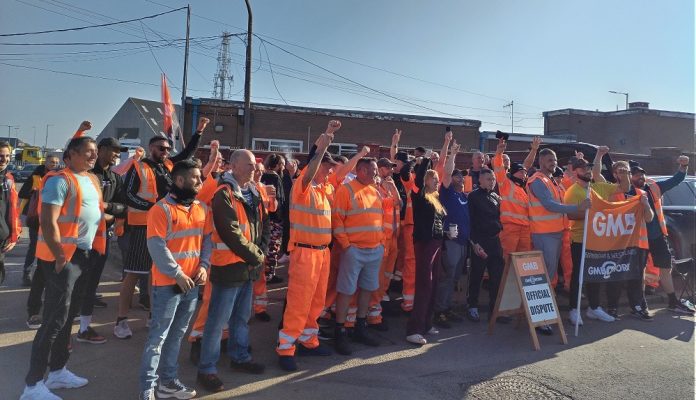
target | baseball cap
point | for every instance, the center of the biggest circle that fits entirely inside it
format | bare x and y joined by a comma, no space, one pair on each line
459,172
402,156
385,162
112,143
516,167
580,163
635,167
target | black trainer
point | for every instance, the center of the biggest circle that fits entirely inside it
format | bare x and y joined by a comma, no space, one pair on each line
320,350
453,317
361,335
642,314
679,308
342,344
210,382
382,326
441,321
99,303
614,313
263,316
287,363
248,367
545,330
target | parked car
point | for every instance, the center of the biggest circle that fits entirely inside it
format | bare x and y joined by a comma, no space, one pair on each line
566,150
23,174
679,205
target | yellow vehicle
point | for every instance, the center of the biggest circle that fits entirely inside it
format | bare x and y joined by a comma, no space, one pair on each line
30,155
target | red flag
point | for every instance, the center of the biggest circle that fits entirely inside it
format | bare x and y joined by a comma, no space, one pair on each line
169,118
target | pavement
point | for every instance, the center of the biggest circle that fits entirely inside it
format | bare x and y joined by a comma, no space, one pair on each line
620,360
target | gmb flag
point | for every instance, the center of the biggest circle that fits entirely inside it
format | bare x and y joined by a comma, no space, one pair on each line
615,233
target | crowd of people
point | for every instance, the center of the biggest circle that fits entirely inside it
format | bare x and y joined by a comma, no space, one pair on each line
205,240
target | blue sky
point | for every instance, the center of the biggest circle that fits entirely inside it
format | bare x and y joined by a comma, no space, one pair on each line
457,58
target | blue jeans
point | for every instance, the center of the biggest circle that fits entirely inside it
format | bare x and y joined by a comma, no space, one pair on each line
231,305
171,313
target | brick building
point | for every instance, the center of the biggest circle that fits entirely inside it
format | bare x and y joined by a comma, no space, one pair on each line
636,130
294,129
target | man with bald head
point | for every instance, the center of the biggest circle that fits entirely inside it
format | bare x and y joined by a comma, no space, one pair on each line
240,239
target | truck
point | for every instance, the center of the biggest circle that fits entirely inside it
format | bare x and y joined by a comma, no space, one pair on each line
29,155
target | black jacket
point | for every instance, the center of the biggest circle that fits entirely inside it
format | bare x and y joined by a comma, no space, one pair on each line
427,222
113,191
28,187
272,178
484,210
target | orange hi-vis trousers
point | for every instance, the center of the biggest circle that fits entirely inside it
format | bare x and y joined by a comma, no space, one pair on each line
566,260
515,238
386,271
260,295
406,262
199,324
307,280
330,301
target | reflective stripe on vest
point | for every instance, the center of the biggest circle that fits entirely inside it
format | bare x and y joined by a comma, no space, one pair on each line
512,209
656,194
222,255
541,220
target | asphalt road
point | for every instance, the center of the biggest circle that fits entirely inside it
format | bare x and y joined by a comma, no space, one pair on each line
621,360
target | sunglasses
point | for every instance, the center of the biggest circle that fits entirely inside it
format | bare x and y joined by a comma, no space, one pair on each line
165,148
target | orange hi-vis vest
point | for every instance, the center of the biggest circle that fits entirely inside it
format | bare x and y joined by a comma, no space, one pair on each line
357,219
410,187
514,207
222,255
310,214
656,194
183,230
468,184
147,190
68,220
540,219
643,240
13,210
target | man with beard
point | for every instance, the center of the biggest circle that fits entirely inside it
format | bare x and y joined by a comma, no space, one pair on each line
71,225
575,195
178,240
108,152
657,229
147,182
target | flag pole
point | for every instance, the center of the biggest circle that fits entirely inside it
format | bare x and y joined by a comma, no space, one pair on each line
582,263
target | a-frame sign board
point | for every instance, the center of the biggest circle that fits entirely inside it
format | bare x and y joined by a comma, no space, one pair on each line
526,292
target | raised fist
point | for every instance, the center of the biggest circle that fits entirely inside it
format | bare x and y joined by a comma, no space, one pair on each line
536,142
85,126
683,161
365,151
396,137
333,126
602,150
448,136
202,123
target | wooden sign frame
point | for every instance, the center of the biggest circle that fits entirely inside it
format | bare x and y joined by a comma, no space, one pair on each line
511,301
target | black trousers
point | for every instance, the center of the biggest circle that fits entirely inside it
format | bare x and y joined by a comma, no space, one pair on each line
31,251
97,263
38,283
63,300
591,288
495,265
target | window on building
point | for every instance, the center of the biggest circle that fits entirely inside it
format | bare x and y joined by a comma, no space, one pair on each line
277,145
343,149
144,108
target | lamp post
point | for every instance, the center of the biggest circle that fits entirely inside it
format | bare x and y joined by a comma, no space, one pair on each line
247,82
623,93
46,142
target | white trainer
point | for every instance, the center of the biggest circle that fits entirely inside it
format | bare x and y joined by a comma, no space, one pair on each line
433,331
416,339
599,314
122,330
575,316
38,392
64,379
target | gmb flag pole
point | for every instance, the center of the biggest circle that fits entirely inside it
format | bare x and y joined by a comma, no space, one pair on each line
582,261
611,248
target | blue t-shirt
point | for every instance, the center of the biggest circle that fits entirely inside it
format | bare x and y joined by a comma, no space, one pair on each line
457,208
54,192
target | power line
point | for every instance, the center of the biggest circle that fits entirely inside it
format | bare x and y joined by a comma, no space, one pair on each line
91,26
270,66
109,43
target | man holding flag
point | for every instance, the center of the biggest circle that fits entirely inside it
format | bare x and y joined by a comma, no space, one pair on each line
576,194
147,182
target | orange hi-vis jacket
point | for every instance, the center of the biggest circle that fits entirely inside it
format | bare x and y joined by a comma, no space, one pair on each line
147,190
391,213
540,219
656,194
68,224
514,207
310,214
357,216
222,255
13,210
183,230
410,186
